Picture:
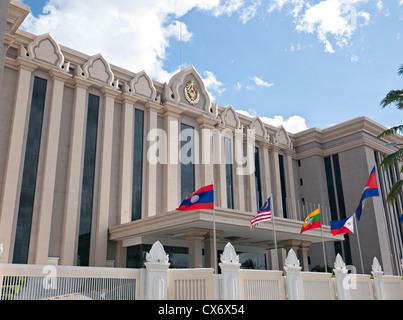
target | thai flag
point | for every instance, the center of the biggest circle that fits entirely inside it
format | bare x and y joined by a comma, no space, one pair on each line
370,190
264,214
200,199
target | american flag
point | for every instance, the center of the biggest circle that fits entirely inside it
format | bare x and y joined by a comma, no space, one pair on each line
264,214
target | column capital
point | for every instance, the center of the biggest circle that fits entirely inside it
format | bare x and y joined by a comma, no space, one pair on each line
276,148
26,64
266,144
207,122
172,110
81,83
152,106
291,244
128,98
289,152
59,75
195,233
210,234
110,92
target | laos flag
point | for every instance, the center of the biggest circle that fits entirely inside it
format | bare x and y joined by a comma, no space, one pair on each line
370,190
200,199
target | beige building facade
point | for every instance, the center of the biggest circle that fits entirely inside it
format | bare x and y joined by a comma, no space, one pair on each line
95,159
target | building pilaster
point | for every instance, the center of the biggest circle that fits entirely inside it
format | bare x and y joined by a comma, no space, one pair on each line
49,173
151,187
15,159
126,160
239,188
171,168
276,182
251,188
74,174
265,171
220,181
206,126
101,231
290,185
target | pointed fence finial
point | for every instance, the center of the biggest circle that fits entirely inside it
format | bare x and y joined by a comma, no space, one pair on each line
339,263
229,255
157,254
376,266
292,260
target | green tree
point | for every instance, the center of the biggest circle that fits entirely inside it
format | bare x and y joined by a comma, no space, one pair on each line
394,97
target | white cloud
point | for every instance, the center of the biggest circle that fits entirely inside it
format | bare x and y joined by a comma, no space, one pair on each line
228,7
329,19
295,6
131,34
337,18
261,83
238,86
213,86
249,12
179,31
293,124
354,58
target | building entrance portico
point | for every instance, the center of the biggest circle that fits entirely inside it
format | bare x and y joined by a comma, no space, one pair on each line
194,231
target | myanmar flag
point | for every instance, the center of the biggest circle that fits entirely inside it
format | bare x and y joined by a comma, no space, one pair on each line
312,221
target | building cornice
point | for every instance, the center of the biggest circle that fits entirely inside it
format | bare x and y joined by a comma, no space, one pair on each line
345,129
345,147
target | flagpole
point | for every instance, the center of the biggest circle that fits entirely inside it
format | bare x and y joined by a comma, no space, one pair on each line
359,245
274,229
323,241
214,233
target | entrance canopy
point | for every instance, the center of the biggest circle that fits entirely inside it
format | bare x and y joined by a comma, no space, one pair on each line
193,228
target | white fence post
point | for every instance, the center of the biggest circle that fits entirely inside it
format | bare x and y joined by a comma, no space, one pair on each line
341,272
293,276
157,273
230,274
379,285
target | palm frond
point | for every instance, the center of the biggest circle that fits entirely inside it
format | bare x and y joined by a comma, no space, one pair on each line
400,72
390,131
391,159
395,191
394,96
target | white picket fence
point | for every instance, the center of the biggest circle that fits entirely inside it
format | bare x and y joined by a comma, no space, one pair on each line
33,282
158,282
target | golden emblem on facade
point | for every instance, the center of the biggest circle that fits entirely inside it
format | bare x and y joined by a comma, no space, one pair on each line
192,94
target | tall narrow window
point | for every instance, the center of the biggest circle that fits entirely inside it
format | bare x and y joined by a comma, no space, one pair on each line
258,183
187,161
228,173
336,200
26,206
283,186
138,164
87,195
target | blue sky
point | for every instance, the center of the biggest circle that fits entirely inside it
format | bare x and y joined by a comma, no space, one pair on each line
300,63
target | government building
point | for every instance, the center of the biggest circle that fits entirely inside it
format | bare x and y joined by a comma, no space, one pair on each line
95,159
